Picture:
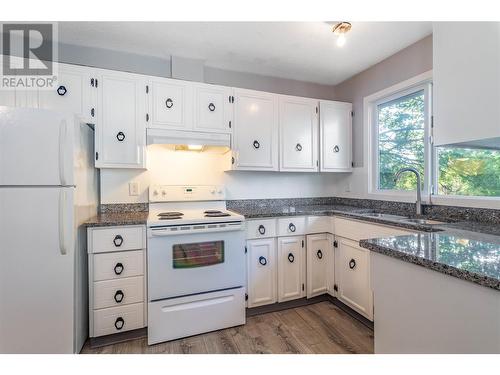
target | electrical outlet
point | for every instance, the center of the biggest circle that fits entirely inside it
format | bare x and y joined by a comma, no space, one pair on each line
348,187
133,188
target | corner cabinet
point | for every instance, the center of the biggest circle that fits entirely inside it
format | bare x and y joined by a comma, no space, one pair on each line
121,120
353,269
298,127
255,132
319,263
291,268
335,136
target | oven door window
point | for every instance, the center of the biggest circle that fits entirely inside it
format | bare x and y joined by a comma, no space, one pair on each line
200,254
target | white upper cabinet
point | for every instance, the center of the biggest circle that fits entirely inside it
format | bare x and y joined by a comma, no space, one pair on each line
213,108
121,120
319,251
255,131
335,136
466,81
298,126
72,93
291,268
171,105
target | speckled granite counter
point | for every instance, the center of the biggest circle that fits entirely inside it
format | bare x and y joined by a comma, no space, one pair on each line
118,218
459,253
350,212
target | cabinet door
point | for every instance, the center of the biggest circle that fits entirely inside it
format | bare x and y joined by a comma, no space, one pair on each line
171,104
261,272
354,277
291,268
213,108
255,130
72,92
336,136
121,119
298,125
319,249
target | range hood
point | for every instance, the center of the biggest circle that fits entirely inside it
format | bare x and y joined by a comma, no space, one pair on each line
189,140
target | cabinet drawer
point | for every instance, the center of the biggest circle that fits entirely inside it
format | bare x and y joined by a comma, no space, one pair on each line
117,239
289,226
118,265
118,319
319,224
261,228
356,230
118,292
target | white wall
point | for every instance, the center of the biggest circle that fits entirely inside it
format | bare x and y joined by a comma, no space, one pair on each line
194,168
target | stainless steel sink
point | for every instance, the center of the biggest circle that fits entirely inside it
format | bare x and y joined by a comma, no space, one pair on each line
422,221
380,215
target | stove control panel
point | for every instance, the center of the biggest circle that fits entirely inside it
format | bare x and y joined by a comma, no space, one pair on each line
183,193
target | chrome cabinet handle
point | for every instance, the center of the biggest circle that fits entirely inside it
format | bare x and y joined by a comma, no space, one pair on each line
336,148
262,229
169,103
319,254
291,258
61,90
118,296
352,264
256,144
262,260
211,107
298,147
292,228
119,323
120,136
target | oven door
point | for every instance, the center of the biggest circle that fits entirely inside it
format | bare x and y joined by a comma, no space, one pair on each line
185,264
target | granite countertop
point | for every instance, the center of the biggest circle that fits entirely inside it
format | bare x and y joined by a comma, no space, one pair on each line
460,253
350,212
118,218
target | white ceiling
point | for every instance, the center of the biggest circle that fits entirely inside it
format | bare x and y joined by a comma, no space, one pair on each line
304,51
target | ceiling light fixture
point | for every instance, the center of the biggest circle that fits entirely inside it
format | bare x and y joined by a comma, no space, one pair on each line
340,29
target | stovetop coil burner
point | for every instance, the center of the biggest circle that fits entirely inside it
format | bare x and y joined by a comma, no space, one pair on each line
170,213
217,214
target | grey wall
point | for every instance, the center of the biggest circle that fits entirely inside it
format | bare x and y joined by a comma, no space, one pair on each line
133,63
403,65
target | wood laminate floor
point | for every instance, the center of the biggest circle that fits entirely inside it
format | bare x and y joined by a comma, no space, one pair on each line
318,328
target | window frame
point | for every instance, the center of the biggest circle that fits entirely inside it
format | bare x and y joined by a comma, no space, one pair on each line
422,82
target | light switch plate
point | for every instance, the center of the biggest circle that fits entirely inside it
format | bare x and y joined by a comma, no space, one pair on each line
133,188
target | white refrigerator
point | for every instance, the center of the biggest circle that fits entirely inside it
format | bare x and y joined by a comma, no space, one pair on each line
48,188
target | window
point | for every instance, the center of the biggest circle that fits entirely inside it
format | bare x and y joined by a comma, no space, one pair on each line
399,133
401,136
468,172
399,129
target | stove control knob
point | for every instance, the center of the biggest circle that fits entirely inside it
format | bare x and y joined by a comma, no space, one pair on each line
212,191
163,192
155,192
219,192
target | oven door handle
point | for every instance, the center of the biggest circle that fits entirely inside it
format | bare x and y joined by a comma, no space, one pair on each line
160,233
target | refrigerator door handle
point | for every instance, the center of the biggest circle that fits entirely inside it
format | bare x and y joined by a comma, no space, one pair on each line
63,135
62,222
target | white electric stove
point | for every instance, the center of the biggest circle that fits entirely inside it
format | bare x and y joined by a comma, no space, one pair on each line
196,262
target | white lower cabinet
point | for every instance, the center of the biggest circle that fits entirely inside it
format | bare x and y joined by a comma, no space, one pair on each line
117,287
261,272
291,268
319,253
353,277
